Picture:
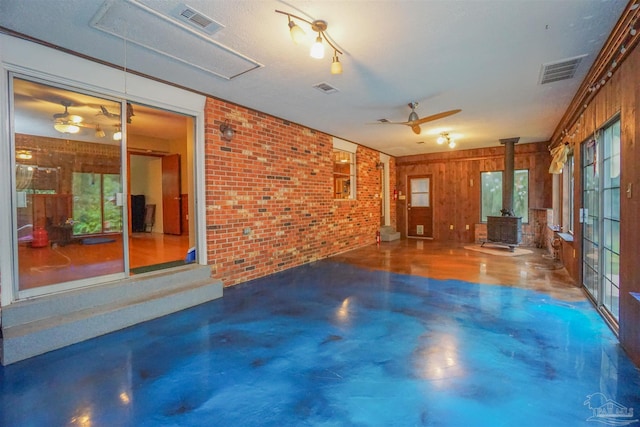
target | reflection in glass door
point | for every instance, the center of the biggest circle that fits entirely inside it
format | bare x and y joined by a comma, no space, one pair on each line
600,217
69,210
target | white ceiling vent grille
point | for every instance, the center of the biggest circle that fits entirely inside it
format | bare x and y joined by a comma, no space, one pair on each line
198,20
560,70
325,88
164,33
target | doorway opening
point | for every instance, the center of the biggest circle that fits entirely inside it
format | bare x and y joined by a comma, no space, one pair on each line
77,172
160,189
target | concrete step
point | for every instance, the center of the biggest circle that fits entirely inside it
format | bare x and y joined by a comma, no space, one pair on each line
388,234
126,303
76,300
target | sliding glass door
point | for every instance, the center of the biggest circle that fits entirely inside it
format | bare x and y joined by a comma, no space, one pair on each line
69,203
600,218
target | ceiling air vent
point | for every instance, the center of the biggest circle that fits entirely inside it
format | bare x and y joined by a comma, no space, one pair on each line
198,20
560,70
325,88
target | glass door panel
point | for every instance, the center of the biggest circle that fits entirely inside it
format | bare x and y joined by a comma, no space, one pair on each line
611,219
68,186
601,219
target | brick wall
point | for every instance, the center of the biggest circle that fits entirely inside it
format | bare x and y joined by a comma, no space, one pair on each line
269,196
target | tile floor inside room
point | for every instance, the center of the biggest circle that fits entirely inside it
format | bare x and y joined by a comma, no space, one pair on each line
337,344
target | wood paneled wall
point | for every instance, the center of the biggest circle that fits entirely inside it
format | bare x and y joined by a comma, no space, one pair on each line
456,185
619,97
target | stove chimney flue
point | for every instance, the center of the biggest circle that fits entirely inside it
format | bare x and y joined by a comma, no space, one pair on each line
508,175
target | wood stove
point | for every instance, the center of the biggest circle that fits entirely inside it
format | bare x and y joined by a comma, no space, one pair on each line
506,229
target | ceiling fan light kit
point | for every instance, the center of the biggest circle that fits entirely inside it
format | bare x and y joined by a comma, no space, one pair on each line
445,137
64,127
317,48
65,122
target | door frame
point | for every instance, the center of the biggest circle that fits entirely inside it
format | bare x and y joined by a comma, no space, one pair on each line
34,61
408,207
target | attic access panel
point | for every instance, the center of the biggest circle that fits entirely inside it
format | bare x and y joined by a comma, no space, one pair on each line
166,36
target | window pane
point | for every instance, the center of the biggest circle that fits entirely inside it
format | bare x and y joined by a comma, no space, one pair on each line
112,221
87,217
419,185
491,183
61,162
343,174
420,200
521,194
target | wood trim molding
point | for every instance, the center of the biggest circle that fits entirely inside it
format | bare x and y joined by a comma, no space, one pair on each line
608,60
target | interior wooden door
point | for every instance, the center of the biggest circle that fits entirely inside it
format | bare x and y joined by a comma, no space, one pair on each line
419,207
171,190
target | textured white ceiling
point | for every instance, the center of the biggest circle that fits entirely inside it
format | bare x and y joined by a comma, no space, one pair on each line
482,56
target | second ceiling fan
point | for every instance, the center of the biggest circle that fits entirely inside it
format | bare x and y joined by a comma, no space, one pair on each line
414,121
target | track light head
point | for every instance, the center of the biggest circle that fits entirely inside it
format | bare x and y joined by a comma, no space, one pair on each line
318,26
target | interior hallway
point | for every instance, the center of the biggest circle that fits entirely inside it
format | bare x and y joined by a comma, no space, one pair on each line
348,341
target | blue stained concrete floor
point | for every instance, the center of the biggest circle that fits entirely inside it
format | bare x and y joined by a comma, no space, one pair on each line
330,344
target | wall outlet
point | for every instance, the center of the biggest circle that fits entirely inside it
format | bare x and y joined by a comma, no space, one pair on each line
467,226
451,227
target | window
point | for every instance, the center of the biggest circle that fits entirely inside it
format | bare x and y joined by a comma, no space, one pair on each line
95,208
343,176
344,169
491,194
567,195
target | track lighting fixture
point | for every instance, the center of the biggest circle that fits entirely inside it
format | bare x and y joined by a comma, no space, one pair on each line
117,136
226,132
99,132
317,48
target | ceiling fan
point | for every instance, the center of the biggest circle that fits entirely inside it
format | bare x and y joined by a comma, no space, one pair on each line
65,122
65,116
105,112
414,121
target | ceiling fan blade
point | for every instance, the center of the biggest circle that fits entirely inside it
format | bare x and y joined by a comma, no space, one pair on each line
434,117
388,122
416,129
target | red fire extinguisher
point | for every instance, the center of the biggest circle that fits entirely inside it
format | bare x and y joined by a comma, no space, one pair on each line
40,238
395,194
378,238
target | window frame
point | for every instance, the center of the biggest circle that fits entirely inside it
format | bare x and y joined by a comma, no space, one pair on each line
344,147
568,187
